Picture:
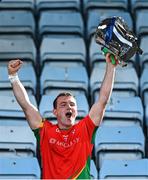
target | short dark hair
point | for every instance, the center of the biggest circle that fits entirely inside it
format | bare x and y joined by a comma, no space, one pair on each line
61,94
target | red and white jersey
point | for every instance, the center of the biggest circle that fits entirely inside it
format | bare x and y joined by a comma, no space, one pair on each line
64,153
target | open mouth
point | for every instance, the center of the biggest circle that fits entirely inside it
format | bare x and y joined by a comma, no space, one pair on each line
68,114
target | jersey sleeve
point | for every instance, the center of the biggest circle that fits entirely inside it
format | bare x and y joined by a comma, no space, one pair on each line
40,132
89,128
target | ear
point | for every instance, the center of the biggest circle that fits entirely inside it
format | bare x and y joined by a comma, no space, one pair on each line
54,112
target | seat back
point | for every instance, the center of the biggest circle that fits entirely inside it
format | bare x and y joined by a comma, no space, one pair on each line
124,111
9,108
17,22
144,86
61,22
63,49
125,169
125,85
17,141
124,143
17,46
19,168
141,24
64,78
42,5
27,76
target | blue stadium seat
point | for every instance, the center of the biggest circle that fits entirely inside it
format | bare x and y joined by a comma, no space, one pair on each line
141,23
17,141
62,4
137,5
119,143
146,120
46,106
63,49
61,22
124,111
27,76
105,4
143,59
14,121
96,16
70,78
17,5
124,169
126,82
17,22
93,170
11,113
17,46
11,109
144,86
19,168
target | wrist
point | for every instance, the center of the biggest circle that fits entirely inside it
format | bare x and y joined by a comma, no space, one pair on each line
13,77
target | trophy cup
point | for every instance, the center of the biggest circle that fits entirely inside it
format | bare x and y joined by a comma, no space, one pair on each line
116,38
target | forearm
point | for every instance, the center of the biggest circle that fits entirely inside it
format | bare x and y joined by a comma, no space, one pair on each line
98,109
107,84
31,112
20,94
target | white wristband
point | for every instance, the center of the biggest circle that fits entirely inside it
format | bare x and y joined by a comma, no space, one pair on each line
13,78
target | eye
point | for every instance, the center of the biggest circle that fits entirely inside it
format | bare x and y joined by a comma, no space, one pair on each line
63,104
72,104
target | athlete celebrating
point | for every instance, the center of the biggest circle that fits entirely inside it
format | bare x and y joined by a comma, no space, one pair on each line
66,147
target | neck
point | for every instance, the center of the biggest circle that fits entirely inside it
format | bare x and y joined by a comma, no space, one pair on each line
64,127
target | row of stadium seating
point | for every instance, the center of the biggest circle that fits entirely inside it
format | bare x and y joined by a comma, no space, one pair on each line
81,6
59,48
55,40
23,21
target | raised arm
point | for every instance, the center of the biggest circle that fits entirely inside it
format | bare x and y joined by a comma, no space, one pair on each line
98,108
32,115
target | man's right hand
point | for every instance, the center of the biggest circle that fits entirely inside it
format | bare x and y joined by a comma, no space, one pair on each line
109,60
14,66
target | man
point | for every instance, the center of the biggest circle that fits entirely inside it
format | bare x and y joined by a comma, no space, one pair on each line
65,148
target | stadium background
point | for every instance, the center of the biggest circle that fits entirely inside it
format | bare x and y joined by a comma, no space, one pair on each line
55,40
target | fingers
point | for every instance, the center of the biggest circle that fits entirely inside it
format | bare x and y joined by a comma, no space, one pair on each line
14,66
110,58
15,63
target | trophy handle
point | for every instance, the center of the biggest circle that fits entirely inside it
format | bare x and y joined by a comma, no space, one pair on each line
112,57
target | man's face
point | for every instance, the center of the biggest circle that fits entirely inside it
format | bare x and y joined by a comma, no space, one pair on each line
66,111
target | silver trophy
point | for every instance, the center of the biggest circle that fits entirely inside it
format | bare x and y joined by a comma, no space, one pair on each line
115,37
